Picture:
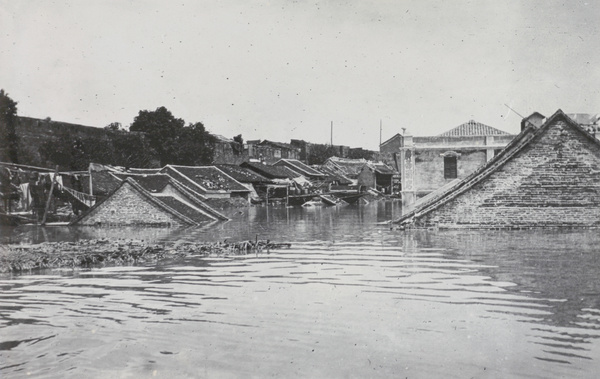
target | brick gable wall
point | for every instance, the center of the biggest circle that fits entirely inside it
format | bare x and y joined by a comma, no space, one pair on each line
128,207
553,181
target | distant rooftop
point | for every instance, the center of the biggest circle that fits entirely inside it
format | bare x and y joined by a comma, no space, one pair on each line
473,128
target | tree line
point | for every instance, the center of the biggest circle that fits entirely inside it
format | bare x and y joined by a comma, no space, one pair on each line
154,139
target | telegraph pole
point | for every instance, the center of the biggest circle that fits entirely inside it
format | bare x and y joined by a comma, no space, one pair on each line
331,143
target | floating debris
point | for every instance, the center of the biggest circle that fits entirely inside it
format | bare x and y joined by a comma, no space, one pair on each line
88,253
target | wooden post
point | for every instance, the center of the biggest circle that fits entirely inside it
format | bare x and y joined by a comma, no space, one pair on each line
287,195
49,196
90,172
267,194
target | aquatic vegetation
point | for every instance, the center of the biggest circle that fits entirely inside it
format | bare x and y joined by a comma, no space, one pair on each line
87,253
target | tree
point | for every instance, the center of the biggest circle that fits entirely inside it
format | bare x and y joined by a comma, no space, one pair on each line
174,142
237,145
320,153
9,142
115,127
162,129
193,146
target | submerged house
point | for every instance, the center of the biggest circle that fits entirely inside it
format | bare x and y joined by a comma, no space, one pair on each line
347,167
252,180
276,173
301,168
172,192
208,181
427,164
379,176
548,176
131,204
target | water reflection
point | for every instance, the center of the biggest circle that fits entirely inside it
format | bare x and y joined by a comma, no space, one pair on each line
351,298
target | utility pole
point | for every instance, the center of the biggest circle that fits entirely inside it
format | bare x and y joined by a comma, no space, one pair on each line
380,131
331,143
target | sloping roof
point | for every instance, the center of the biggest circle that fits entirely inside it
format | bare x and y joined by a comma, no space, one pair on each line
333,175
243,175
394,137
473,128
382,168
518,144
197,199
300,167
143,170
208,178
271,172
103,183
346,166
146,196
152,183
184,209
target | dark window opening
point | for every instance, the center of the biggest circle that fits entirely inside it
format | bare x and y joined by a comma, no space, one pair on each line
450,168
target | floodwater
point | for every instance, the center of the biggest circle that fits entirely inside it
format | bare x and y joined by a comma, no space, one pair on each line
350,299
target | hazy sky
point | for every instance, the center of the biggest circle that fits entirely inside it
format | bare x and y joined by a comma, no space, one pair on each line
287,69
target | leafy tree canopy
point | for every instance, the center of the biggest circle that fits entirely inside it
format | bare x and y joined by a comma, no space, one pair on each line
9,142
174,142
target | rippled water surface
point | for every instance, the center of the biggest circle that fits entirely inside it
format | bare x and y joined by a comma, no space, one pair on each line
351,298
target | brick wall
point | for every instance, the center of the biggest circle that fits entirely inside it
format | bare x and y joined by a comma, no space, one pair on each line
128,207
553,181
429,167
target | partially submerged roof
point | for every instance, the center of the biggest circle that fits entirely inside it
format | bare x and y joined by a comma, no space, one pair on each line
151,183
103,183
473,128
563,186
334,175
243,175
207,178
300,168
134,218
143,170
346,166
271,172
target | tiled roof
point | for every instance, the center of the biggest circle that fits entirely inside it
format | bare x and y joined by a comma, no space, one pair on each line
208,178
152,183
517,145
346,166
103,183
243,175
335,175
300,167
144,170
473,128
382,168
145,196
271,172
184,209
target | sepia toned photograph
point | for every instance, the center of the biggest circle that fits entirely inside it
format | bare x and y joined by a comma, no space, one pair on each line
299,189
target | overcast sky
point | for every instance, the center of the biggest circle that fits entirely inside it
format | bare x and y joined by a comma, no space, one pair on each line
287,69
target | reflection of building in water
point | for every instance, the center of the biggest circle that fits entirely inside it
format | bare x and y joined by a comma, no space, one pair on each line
429,163
540,266
549,175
